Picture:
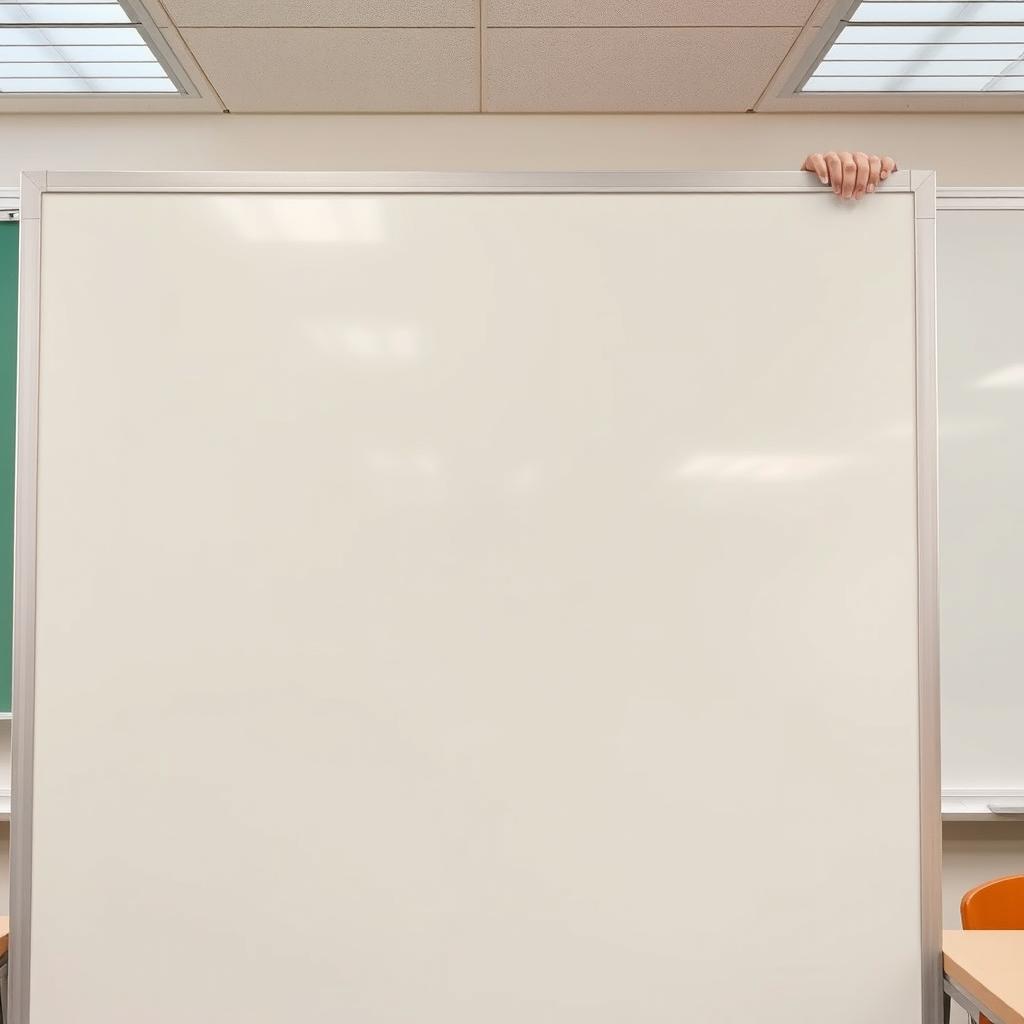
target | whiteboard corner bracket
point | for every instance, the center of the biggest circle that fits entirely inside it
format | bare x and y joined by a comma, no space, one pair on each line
33,185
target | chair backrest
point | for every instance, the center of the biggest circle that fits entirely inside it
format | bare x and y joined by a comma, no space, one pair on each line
995,906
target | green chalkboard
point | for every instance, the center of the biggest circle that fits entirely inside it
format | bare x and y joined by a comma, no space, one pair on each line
8,390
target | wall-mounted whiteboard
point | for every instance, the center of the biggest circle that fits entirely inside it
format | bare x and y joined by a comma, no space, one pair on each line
492,599
981,477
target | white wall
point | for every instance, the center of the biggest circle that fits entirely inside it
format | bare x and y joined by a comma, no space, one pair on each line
964,149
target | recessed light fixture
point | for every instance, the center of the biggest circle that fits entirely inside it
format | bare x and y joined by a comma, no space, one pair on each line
924,46
80,47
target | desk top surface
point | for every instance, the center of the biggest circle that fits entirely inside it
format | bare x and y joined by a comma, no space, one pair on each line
5,929
989,967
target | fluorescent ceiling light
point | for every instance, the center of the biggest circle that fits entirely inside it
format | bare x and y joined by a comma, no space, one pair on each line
954,67
943,10
83,69
63,14
923,34
77,47
968,46
55,54
934,51
87,35
895,83
130,84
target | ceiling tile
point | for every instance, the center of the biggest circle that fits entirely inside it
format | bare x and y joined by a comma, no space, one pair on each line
824,10
630,69
326,13
359,70
652,13
156,11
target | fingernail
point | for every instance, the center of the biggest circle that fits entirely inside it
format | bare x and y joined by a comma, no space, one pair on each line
884,175
871,188
823,179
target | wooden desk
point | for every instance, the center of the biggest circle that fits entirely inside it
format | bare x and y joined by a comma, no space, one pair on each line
984,972
4,939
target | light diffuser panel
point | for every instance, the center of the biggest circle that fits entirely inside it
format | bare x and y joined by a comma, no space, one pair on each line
131,84
76,47
933,51
930,46
82,69
70,36
58,54
897,84
888,68
63,14
932,34
924,10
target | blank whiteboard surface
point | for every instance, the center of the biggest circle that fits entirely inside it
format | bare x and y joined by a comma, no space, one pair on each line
981,498
463,608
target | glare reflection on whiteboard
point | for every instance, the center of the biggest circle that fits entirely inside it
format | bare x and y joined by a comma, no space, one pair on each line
1009,377
768,467
963,426
357,220
403,464
524,479
903,430
394,345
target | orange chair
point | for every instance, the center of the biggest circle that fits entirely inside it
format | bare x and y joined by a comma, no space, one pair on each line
994,906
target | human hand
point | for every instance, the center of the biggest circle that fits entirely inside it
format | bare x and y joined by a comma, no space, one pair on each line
851,175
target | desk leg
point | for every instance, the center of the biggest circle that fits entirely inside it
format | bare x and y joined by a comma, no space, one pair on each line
945,1008
3,989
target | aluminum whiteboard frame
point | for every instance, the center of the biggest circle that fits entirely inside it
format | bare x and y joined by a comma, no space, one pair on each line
35,184
992,198
10,204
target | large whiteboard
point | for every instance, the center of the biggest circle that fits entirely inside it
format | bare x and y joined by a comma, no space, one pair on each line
981,477
477,607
